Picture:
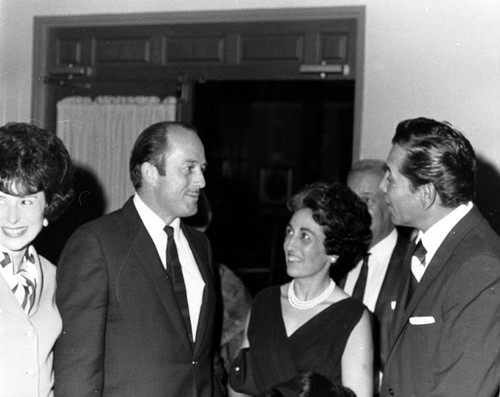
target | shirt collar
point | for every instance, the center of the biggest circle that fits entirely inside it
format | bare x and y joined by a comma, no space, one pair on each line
435,235
385,245
17,257
153,223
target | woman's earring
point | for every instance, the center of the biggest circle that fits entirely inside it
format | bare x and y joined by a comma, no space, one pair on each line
45,222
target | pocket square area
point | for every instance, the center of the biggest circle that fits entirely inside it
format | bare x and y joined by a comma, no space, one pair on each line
423,320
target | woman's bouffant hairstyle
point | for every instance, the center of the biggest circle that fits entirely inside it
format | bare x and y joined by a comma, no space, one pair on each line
439,154
35,160
151,146
340,212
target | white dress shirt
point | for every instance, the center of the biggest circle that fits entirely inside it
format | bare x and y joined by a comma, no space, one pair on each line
435,235
192,277
378,262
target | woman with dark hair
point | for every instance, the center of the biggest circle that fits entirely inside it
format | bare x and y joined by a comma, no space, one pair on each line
35,187
309,324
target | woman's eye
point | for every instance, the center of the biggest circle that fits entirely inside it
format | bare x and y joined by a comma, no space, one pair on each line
305,236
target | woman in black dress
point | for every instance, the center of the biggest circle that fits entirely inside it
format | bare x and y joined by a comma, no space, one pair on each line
310,324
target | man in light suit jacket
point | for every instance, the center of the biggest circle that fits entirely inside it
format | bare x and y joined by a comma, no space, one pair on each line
446,326
384,263
124,332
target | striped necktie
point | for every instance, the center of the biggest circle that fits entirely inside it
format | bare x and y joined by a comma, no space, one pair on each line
174,271
419,252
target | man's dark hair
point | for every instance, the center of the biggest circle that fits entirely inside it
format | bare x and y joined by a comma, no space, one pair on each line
34,160
151,146
439,154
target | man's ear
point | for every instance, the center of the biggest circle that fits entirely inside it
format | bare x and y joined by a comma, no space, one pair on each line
149,173
428,195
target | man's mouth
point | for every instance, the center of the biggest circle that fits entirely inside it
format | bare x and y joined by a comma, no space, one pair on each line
292,259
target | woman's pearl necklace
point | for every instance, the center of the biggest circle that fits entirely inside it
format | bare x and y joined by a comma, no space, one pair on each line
304,305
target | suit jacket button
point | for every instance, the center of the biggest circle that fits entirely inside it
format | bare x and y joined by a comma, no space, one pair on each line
194,363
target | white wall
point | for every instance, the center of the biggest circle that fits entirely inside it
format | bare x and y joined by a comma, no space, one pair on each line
434,58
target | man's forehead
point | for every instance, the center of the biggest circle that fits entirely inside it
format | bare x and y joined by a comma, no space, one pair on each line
367,177
187,143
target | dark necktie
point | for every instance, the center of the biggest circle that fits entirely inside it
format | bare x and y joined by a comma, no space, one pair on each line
360,286
174,271
419,251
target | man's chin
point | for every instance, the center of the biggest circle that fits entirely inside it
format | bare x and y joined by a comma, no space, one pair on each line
394,219
191,210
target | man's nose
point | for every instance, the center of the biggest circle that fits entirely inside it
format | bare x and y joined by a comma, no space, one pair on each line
383,183
200,180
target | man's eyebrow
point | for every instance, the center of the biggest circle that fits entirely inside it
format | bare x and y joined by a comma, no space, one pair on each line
203,165
190,161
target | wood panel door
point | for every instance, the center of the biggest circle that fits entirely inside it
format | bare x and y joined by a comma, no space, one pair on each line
166,59
264,140
216,51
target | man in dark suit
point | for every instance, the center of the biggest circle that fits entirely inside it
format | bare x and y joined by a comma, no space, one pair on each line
446,326
375,280
132,326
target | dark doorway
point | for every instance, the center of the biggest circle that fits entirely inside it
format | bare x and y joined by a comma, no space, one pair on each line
264,140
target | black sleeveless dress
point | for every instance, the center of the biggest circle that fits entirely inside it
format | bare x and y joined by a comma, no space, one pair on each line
277,360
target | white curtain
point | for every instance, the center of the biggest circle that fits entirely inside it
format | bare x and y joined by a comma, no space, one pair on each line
100,134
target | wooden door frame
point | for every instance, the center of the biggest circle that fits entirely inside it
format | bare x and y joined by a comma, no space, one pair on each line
44,25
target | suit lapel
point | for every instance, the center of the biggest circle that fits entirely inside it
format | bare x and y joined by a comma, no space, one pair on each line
394,274
41,283
402,296
439,263
143,248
